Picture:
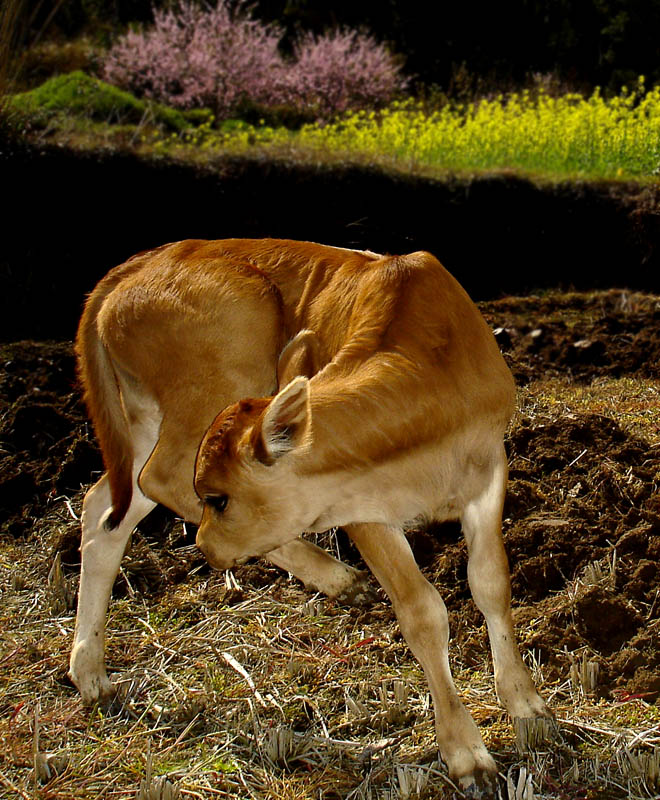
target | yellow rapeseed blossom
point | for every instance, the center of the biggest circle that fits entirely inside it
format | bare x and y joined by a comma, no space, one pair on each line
536,133
567,134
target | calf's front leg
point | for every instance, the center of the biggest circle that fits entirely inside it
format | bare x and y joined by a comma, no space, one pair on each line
321,572
490,584
422,617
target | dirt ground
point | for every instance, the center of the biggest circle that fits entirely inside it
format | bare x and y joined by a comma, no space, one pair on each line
582,516
581,488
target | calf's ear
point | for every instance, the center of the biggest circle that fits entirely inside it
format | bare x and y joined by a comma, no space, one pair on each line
286,422
299,357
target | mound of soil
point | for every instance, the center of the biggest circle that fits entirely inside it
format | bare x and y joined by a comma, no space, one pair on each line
46,448
580,336
582,516
582,531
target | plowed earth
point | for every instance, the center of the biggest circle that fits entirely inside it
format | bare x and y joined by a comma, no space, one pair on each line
582,516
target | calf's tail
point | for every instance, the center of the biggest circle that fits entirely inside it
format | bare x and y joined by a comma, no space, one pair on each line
103,401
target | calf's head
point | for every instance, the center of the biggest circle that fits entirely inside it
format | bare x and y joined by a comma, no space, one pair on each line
246,476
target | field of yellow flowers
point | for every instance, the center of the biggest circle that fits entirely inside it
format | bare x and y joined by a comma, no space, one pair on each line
566,136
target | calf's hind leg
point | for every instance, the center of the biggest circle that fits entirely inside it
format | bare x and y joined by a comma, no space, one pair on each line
102,550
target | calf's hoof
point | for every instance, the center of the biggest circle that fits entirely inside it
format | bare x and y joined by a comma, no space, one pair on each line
482,783
483,790
97,691
473,769
358,593
92,683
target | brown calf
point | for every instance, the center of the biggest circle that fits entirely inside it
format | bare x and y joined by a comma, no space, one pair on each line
392,405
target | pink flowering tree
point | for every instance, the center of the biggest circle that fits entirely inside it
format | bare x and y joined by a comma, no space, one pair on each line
342,70
193,57
222,58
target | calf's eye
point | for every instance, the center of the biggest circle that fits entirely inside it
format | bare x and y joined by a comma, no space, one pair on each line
218,502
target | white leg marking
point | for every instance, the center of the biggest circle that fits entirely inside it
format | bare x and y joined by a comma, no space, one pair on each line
423,621
102,551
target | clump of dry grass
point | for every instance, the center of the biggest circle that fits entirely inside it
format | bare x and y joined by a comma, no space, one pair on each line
634,403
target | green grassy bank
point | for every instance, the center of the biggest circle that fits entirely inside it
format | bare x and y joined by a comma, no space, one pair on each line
535,135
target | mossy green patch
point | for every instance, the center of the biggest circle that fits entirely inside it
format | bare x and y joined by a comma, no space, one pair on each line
81,95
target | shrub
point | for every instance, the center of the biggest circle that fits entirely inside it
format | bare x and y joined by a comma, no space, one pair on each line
195,57
223,58
342,70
